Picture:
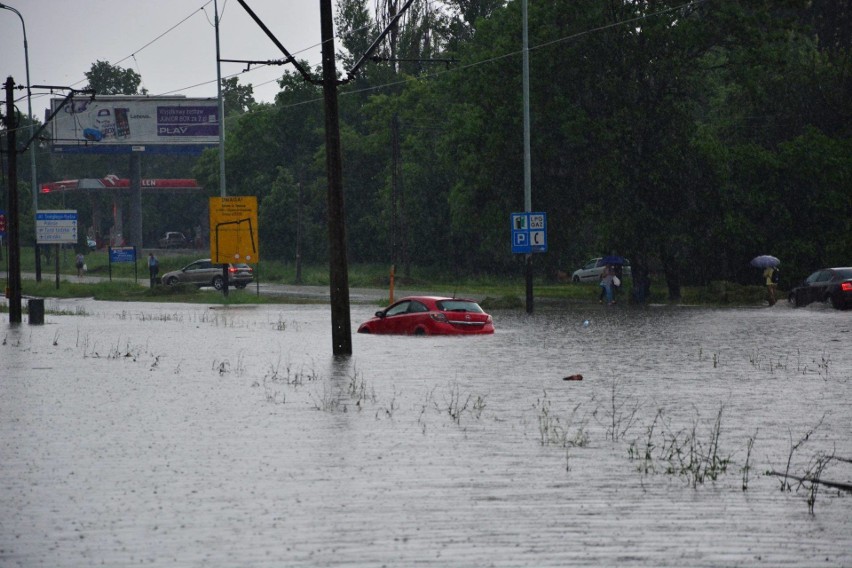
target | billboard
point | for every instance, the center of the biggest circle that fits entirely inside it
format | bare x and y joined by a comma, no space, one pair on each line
124,124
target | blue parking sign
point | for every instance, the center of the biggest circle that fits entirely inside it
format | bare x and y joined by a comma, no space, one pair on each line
529,232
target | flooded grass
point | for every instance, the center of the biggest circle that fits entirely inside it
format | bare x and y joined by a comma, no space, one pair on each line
233,437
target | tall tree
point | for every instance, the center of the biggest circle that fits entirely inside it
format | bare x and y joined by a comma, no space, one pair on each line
108,79
238,99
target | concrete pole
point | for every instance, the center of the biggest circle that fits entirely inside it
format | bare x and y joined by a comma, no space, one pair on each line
13,219
341,332
527,160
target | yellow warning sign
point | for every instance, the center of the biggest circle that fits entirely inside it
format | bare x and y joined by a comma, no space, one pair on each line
233,230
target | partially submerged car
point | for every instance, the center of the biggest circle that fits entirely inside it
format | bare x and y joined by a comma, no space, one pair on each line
430,315
204,273
832,285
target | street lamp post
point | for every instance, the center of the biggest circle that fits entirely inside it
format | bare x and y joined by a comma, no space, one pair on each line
32,130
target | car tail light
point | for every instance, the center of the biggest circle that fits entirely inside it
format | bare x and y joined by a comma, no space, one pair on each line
439,317
232,269
846,286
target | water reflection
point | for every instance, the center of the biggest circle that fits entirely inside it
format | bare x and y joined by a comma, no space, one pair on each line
234,437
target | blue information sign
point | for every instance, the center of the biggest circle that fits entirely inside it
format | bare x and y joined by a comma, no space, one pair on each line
122,254
529,232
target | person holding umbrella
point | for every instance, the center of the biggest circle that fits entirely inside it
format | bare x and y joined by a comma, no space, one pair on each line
771,274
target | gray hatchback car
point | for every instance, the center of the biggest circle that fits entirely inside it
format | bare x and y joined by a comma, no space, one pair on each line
204,273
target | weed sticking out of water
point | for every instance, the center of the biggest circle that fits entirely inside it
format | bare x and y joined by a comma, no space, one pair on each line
160,317
645,455
682,452
747,467
427,403
359,391
241,364
391,408
328,400
715,357
56,339
551,430
282,325
456,408
222,367
77,311
812,477
272,390
822,365
620,415
785,477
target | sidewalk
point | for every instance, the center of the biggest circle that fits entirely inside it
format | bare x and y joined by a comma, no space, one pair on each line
359,295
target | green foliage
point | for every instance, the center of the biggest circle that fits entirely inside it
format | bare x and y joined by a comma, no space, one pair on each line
688,138
108,79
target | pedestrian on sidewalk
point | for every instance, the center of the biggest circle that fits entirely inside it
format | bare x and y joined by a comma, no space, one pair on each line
153,268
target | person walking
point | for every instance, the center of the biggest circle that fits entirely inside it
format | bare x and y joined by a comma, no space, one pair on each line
771,274
606,283
153,268
80,262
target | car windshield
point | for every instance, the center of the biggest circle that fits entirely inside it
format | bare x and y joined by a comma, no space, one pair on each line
458,306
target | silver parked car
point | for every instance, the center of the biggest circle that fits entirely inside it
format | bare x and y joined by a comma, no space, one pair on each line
204,273
592,270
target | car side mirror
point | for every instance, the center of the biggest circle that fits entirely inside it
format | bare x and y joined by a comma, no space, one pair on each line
380,314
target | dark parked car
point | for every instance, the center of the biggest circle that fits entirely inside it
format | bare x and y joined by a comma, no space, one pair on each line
430,315
173,239
825,285
204,273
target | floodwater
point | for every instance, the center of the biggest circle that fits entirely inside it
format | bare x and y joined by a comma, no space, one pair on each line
182,435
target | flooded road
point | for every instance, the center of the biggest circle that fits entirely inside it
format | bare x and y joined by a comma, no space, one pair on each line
178,435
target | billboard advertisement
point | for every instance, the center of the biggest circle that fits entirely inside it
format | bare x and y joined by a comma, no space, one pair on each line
124,124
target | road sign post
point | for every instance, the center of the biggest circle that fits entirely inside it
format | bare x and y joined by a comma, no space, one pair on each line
56,227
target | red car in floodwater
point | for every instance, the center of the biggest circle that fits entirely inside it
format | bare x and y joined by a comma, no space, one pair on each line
430,315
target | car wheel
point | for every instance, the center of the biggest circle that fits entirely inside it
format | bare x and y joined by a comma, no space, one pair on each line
797,300
836,302
171,281
241,285
576,280
419,331
218,282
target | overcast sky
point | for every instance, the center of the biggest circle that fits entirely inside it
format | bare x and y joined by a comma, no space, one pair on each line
170,43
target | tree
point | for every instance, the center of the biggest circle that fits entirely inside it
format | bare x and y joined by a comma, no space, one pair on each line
108,79
237,98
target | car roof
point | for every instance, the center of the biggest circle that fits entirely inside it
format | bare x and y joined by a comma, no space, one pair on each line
435,299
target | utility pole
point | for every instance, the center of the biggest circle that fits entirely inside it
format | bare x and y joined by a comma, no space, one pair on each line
341,329
527,167
12,222
222,185
32,137
299,236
